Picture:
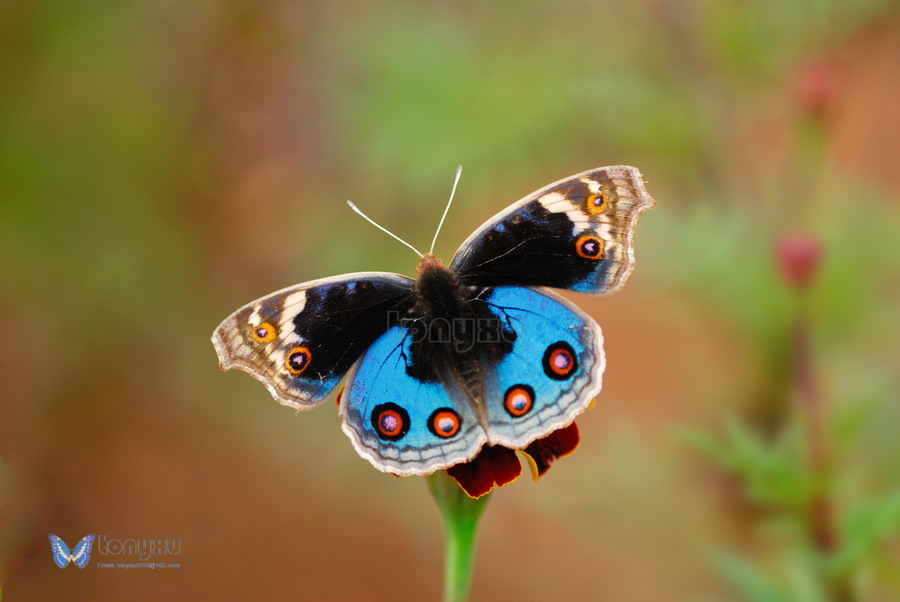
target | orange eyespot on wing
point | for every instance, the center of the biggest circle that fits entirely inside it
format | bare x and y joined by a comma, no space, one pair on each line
589,247
596,203
264,333
519,400
559,361
390,421
444,423
297,360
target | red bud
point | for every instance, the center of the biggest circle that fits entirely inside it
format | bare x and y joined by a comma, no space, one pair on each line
817,86
798,258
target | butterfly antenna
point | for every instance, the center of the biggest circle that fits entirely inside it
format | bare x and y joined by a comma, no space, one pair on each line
383,229
446,209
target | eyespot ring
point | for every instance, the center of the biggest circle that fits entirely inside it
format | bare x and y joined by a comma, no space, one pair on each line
444,423
596,203
559,361
590,247
390,421
263,333
297,360
518,400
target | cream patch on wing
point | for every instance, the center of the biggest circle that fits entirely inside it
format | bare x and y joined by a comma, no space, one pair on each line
291,306
556,202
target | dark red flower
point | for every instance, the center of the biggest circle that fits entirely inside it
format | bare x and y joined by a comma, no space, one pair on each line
495,466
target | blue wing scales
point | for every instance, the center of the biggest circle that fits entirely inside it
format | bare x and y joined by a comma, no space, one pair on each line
553,371
379,389
393,418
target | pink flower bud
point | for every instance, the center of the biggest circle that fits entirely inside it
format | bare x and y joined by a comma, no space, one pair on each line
817,86
798,259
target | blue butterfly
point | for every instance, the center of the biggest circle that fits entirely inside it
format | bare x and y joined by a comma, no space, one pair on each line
478,353
81,555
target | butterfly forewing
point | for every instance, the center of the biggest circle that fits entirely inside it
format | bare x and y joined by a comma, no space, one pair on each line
300,341
574,234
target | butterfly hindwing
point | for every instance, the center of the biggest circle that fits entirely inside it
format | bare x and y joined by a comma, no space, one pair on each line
553,371
573,234
400,423
300,341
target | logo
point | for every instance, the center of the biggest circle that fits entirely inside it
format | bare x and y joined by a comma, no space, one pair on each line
80,555
143,548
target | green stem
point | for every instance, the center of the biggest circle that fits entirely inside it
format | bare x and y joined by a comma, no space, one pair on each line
821,521
459,554
461,514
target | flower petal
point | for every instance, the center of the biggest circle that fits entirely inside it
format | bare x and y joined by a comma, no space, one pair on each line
542,453
494,465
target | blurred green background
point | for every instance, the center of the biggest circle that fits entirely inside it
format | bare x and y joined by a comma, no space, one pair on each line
162,163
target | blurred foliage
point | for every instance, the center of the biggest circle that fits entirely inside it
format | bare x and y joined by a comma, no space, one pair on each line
772,473
776,479
828,535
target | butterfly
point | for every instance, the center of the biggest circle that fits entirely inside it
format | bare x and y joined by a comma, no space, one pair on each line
80,555
476,354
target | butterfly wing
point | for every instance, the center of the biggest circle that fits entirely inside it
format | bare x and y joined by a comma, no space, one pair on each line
81,555
573,234
399,423
553,371
61,552
301,340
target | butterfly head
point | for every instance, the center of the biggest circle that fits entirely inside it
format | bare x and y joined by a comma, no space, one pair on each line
427,262
437,288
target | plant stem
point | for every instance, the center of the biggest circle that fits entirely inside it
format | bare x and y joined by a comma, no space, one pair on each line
821,513
820,524
461,514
